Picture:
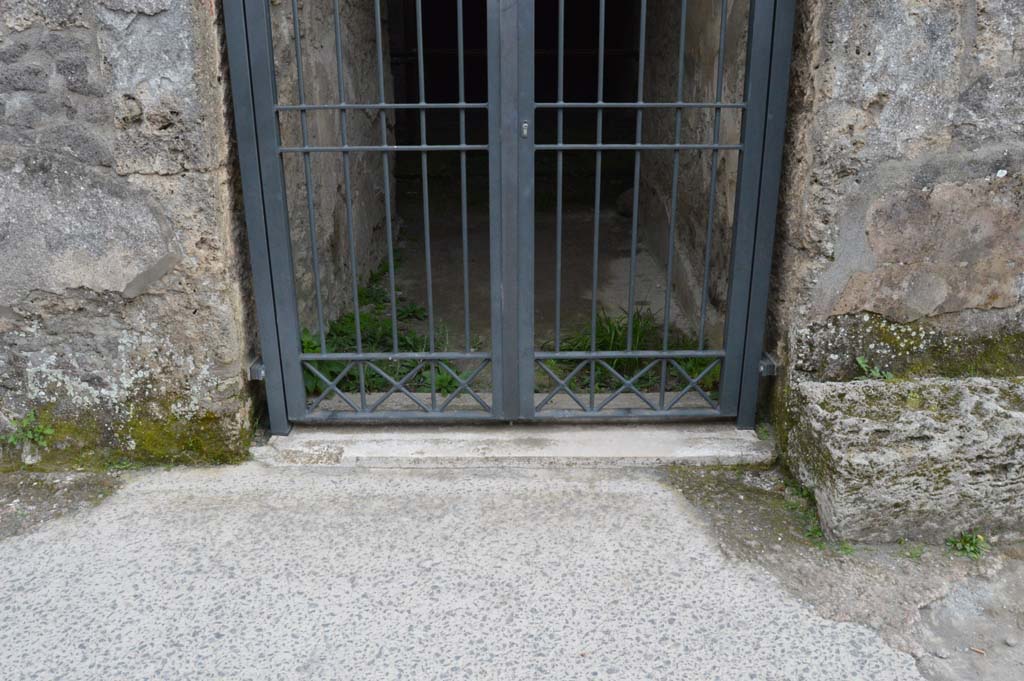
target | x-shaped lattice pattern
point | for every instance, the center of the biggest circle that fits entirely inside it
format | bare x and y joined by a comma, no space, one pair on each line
563,386
399,385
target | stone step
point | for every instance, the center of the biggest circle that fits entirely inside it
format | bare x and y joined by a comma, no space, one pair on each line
517,446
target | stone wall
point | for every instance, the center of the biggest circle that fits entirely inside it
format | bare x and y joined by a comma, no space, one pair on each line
703,29
901,242
902,220
122,291
323,128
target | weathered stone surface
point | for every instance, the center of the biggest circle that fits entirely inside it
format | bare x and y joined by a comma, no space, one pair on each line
12,53
28,77
902,191
328,187
149,7
68,226
901,239
122,313
19,15
153,62
915,349
911,459
943,249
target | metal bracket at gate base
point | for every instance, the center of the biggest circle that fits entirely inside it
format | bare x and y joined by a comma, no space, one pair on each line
769,365
257,371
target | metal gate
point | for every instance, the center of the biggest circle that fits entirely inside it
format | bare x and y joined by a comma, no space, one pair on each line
342,340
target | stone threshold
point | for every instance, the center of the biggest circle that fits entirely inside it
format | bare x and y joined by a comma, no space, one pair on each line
517,446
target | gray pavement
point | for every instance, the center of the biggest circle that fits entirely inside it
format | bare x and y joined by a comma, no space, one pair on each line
256,572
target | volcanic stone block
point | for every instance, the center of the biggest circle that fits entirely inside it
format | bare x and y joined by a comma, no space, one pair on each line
919,459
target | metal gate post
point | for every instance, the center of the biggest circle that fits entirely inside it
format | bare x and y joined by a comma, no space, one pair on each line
509,71
771,171
275,209
501,391
758,66
252,197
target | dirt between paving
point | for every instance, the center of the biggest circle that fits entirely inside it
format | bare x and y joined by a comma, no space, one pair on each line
960,619
29,499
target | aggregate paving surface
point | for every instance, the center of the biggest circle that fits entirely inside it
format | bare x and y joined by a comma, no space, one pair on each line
253,572
960,619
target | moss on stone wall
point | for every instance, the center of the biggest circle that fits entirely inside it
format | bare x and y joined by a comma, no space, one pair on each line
917,349
780,406
154,433
998,357
909,351
913,353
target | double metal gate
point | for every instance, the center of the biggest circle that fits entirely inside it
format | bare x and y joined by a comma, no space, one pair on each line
319,369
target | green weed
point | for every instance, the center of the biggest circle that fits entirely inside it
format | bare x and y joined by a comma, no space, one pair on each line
378,334
913,551
872,371
610,334
800,501
408,311
29,429
969,544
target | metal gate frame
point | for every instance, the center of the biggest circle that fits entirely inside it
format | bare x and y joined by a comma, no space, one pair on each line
511,109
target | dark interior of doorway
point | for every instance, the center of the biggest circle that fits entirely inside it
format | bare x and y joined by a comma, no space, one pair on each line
563,311
440,76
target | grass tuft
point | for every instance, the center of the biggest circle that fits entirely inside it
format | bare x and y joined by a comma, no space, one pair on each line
969,544
377,333
611,334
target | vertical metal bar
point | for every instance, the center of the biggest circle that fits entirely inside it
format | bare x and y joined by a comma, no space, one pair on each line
748,183
524,238
426,200
347,172
636,175
501,209
771,172
558,174
275,204
255,218
307,166
673,211
713,200
597,198
462,174
386,159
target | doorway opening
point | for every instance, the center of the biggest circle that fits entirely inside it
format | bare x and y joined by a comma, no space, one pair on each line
391,272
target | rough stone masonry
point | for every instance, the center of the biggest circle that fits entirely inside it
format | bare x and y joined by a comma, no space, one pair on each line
123,320
901,242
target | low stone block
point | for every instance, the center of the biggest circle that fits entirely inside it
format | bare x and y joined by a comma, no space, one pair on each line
921,459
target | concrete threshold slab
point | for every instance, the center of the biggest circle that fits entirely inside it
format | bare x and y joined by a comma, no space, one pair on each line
530,446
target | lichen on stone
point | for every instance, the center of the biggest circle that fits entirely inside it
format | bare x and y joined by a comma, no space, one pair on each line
829,350
882,471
